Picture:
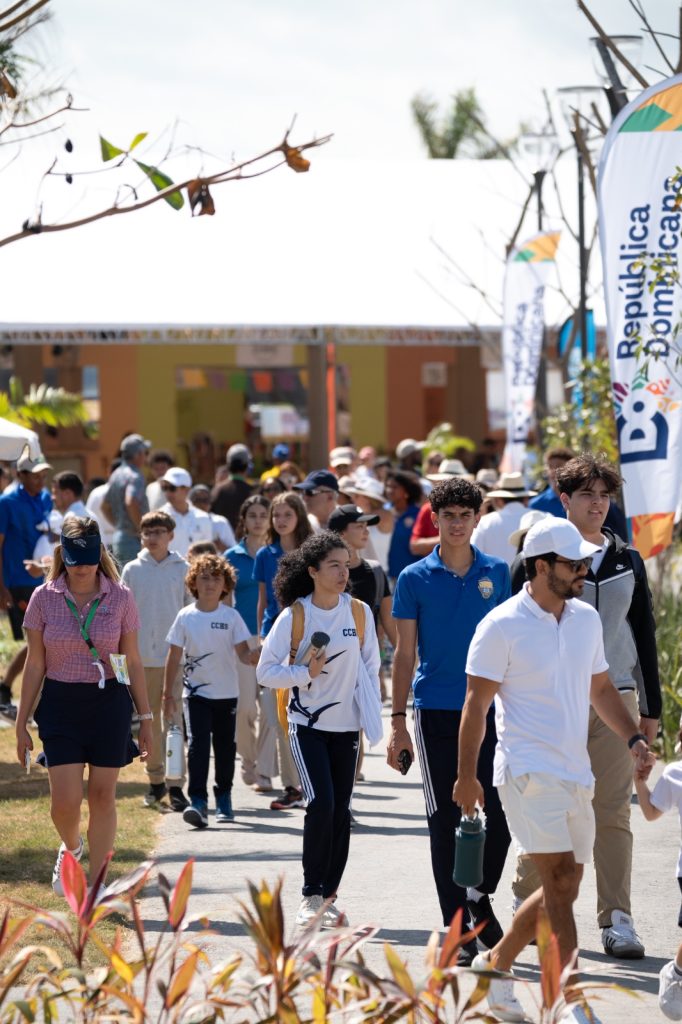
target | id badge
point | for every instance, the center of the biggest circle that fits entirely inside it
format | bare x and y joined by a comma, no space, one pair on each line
119,663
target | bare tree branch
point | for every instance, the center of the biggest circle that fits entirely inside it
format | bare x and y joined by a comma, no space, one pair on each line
21,17
231,174
640,12
608,41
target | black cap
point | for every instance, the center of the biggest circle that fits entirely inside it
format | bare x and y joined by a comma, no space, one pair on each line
345,515
318,478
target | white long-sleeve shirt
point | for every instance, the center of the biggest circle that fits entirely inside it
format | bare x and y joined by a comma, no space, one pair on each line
327,702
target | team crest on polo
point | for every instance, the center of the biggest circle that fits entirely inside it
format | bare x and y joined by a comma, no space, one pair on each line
485,587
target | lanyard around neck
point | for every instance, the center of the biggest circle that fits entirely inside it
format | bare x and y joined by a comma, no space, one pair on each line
84,627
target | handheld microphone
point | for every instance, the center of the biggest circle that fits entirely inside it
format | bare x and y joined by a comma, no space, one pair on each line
318,643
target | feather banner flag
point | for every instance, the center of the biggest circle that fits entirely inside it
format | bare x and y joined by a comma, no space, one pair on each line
640,222
525,278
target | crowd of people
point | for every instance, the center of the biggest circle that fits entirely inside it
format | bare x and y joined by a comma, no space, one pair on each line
262,618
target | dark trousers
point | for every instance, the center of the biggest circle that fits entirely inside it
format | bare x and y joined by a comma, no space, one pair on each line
207,720
326,764
437,740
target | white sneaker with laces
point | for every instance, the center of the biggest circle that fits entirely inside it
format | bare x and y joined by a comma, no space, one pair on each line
309,908
621,940
501,998
57,886
333,917
670,992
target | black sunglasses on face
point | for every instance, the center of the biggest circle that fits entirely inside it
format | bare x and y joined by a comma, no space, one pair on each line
575,563
168,487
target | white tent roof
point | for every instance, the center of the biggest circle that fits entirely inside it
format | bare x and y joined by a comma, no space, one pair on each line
409,243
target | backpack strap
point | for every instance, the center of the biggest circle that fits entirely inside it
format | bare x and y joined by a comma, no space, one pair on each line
297,628
358,611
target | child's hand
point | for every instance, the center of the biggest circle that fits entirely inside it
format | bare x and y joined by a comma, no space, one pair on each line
169,706
254,657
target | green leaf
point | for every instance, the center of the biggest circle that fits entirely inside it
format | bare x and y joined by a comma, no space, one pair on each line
137,140
160,181
109,151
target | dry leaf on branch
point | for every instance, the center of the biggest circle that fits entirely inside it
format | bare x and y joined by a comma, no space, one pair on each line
199,195
296,160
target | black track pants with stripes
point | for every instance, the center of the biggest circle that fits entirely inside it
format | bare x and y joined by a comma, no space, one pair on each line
436,736
326,764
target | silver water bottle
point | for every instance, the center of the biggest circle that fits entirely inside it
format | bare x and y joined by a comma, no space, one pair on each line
175,744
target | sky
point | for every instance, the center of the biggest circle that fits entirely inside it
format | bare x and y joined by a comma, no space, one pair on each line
228,76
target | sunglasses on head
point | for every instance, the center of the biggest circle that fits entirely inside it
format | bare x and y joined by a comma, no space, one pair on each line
575,563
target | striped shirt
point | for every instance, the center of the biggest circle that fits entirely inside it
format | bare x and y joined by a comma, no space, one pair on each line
67,657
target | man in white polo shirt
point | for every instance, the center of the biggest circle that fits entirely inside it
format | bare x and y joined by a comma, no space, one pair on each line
191,524
540,656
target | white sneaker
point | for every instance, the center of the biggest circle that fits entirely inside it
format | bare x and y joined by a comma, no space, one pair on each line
333,917
309,908
621,939
501,998
670,992
57,886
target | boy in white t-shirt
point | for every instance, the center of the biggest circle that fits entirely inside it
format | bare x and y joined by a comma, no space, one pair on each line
211,636
666,795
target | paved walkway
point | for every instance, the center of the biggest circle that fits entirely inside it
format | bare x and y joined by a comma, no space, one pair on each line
388,882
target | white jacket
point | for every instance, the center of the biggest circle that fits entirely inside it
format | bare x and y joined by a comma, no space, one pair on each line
159,592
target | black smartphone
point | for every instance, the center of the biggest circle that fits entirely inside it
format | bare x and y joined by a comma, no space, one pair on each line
404,761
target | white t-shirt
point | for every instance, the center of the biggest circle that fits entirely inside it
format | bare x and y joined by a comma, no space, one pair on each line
667,794
326,702
208,641
222,531
94,506
545,670
599,557
191,526
491,536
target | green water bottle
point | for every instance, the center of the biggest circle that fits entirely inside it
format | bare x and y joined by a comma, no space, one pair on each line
469,845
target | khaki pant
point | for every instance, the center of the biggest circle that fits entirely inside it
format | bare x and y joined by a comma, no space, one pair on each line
612,769
257,749
155,765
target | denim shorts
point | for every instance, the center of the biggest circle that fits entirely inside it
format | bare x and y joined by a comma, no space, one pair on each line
78,723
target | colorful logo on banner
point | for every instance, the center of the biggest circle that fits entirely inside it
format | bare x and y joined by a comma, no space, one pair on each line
640,218
526,275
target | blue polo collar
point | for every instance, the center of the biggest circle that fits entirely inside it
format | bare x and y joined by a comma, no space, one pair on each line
480,563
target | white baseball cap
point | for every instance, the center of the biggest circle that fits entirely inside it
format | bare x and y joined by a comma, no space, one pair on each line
177,476
558,537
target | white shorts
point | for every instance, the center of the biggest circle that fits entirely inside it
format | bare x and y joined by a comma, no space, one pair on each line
546,814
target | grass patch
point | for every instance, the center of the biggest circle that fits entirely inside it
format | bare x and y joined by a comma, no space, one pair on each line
30,842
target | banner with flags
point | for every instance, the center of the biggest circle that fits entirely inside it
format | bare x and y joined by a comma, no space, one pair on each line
640,226
528,268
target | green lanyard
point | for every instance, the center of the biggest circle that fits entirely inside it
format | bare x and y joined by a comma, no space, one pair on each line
85,627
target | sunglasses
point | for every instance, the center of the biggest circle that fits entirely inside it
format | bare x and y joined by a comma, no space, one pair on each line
575,563
320,490
168,487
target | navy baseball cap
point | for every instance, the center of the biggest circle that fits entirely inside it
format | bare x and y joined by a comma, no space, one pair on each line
345,515
83,550
280,451
318,478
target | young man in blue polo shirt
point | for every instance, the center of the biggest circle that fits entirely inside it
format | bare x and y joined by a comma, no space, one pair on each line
438,603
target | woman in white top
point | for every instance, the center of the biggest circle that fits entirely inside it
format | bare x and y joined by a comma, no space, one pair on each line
323,711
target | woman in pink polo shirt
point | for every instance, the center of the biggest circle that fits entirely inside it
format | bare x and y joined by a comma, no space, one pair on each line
76,624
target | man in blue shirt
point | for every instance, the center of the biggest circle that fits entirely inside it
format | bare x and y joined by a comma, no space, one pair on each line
23,520
548,500
438,603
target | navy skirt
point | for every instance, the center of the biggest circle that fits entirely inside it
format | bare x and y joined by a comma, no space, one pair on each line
79,723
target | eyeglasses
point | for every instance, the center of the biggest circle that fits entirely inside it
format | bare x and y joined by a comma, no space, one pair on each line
154,533
320,490
575,563
166,488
